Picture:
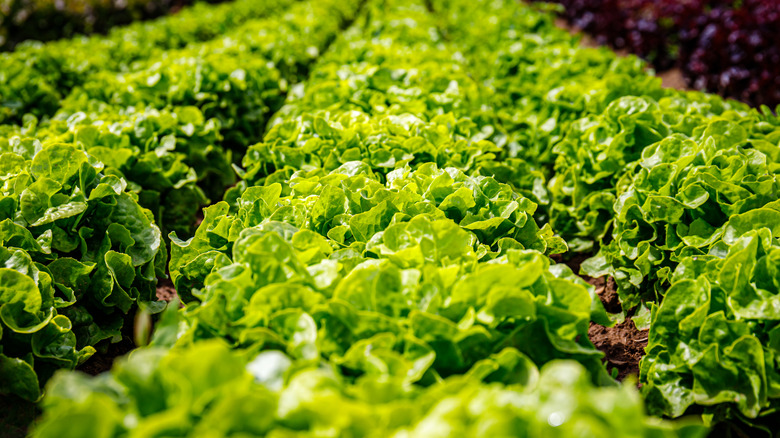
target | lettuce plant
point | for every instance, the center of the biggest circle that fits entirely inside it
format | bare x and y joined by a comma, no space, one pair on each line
688,197
166,156
351,205
714,338
78,253
418,292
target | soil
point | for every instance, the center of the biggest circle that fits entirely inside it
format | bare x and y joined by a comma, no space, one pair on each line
607,290
624,346
673,79
165,290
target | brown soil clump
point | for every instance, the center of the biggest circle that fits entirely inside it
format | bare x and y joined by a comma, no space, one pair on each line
624,346
165,290
607,290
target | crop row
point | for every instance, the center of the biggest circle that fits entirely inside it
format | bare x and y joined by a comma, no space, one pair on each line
36,77
382,265
45,20
669,187
725,46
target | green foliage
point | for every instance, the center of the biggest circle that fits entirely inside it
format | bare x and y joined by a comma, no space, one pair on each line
36,76
657,181
150,135
427,251
78,253
167,125
209,390
401,214
382,266
165,156
713,339
688,196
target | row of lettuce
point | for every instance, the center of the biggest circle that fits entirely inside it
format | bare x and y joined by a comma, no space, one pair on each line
37,76
45,20
386,246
